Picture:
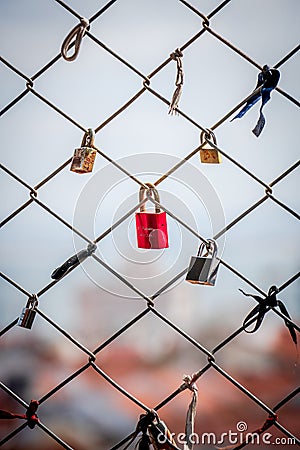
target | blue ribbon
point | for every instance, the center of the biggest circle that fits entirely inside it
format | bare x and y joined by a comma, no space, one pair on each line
267,80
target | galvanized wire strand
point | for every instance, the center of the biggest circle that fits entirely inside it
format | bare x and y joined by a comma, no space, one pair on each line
13,102
16,177
242,388
64,383
8,327
58,110
15,69
119,388
287,399
13,434
126,282
16,285
64,333
195,233
240,52
287,57
254,63
16,212
284,206
24,425
288,282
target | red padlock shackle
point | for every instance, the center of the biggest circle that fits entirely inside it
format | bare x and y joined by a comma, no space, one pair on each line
211,247
88,138
153,192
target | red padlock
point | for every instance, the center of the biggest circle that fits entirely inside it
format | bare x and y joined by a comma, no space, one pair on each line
151,226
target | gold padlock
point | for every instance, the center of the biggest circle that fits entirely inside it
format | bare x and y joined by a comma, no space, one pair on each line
84,157
209,154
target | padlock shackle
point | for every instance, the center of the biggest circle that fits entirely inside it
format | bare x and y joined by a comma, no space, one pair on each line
211,248
153,192
32,302
208,134
88,138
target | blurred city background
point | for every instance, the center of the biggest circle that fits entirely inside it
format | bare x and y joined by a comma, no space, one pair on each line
150,358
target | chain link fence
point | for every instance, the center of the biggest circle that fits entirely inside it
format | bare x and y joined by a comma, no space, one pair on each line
147,95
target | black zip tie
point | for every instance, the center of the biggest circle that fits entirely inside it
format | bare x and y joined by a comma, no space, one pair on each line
177,55
263,307
73,262
267,80
30,415
77,32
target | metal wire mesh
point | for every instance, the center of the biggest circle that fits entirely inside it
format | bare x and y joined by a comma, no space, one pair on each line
269,195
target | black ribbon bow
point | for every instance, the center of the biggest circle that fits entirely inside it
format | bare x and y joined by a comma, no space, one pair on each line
267,80
72,262
264,304
30,415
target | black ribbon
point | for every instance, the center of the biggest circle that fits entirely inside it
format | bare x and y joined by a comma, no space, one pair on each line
72,262
267,80
264,304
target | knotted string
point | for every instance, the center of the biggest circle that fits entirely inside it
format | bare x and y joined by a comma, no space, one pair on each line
77,32
154,431
191,413
266,82
72,262
177,55
250,436
30,415
264,304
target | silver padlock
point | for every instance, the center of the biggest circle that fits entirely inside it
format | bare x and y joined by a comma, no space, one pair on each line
28,313
203,268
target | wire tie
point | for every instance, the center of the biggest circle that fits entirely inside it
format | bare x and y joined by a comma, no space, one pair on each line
77,34
271,419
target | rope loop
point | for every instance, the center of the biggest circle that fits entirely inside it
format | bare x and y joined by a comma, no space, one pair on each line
75,35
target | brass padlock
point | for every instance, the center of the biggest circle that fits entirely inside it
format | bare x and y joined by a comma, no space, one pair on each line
203,269
209,154
28,313
84,157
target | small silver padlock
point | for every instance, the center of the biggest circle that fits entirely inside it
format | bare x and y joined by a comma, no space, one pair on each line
84,157
203,269
28,313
